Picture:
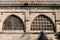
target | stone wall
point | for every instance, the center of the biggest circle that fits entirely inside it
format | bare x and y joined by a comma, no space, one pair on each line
27,15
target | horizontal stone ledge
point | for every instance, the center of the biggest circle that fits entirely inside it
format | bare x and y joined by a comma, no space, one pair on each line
30,5
26,33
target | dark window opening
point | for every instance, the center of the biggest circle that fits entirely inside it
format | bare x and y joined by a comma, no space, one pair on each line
13,22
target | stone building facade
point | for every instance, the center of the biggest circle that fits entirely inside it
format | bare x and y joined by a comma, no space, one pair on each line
25,20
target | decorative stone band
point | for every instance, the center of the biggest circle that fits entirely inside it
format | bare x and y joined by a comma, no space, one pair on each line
29,1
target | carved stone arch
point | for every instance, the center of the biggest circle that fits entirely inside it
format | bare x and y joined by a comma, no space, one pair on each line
13,22
44,23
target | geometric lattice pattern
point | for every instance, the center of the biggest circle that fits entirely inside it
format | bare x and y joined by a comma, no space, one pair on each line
42,22
12,23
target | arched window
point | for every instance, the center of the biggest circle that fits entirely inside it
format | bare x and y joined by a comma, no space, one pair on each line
13,22
43,23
